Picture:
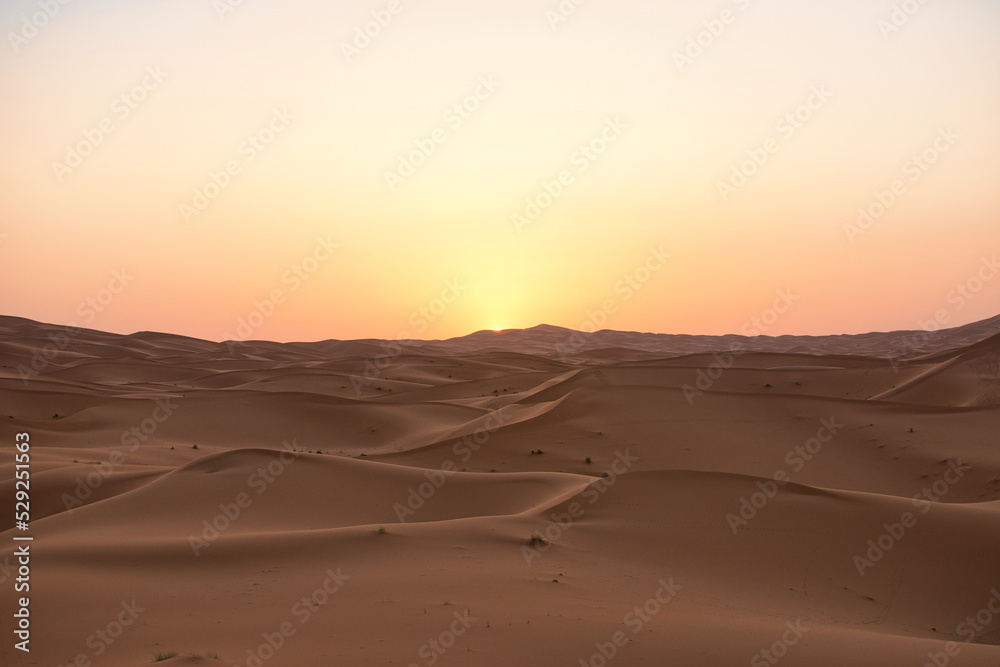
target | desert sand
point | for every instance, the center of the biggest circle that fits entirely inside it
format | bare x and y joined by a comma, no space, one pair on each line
535,497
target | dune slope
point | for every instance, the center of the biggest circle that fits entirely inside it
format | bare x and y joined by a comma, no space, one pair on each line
494,501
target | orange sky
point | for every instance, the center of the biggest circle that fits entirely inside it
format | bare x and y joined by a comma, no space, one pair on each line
259,169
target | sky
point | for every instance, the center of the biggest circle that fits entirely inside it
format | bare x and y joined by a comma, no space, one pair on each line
306,170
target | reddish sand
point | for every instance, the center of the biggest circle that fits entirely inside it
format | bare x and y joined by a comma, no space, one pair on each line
346,544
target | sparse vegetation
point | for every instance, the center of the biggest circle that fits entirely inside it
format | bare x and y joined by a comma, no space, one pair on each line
587,460
382,531
537,540
160,657
536,452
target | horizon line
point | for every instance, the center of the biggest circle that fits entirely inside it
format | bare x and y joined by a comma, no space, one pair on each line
74,327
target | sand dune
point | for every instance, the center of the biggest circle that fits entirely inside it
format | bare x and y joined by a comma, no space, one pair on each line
531,497
967,379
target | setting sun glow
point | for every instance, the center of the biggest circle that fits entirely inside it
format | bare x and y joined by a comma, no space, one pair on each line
295,171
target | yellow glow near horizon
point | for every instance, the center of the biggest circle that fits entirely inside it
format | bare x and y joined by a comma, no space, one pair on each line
218,156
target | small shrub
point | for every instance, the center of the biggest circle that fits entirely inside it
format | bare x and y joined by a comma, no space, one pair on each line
159,657
537,540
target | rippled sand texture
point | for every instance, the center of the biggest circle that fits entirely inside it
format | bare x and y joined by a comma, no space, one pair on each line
655,500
